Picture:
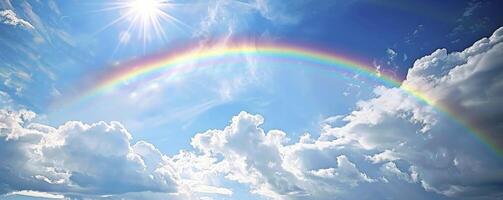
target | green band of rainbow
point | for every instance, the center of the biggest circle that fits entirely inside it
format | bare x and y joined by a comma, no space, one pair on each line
169,63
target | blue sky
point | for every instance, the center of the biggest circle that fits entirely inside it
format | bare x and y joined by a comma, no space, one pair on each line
250,129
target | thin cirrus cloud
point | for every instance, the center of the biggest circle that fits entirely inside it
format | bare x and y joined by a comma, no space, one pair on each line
389,141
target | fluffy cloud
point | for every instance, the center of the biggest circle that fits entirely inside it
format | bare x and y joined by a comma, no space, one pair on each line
78,159
250,155
468,82
345,173
272,168
9,17
419,144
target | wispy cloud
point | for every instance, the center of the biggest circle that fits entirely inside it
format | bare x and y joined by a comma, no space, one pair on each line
471,21
471,7
9,17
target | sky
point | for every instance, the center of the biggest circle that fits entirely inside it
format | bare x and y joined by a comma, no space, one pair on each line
251,99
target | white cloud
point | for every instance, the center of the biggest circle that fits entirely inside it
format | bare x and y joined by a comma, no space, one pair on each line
272,168
250,155
346,173
78,159
9,17
212,190
36,194
220,17
396,128
386,155
391,169
468,81
391,54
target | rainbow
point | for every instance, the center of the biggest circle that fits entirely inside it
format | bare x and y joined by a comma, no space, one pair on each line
170,63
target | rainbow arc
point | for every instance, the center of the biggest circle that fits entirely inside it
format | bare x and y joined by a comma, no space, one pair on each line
170,63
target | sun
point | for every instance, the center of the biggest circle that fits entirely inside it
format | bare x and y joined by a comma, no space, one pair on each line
146,16
145,9
147,19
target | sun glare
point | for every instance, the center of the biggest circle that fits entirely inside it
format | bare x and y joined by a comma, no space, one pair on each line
147,19
146,16
145,9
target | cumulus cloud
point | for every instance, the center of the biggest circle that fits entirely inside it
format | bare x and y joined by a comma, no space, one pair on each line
427,144
9,17
250,155
78,159
272,168
468,82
